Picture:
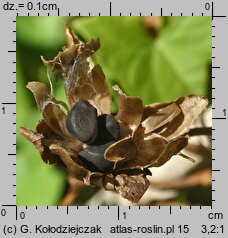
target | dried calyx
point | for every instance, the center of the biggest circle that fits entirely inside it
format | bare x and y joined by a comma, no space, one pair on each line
96,147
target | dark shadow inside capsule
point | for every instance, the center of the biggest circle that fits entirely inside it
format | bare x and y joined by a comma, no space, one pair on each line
93,158
108,130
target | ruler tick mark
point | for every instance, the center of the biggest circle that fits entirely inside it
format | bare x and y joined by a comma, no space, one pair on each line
218,118
118,213
110,8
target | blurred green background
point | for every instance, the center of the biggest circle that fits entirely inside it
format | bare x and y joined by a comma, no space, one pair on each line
155,62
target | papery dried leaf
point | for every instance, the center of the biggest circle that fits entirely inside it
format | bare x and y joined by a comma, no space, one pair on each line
37,140
132,187
77,72
191,107
102,99
72,39
125,131
138,135
72,145
50,109
172,148
107,181
151,109
173,119
77,54
130,109
122,150
68,56
148,150
76,170
160,116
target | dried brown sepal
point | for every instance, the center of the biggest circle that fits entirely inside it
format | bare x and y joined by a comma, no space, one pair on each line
77,71
36,139
131,187
72,39
102,99
148,151
173,119
160,116
77,171
73,146
130,109
122,150
49,107
172,148
191,106
107,181
125,131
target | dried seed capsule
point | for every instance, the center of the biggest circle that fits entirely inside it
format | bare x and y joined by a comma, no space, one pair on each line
93,157
82,121
108,129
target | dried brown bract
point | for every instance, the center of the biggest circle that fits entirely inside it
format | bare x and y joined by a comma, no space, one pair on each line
149,135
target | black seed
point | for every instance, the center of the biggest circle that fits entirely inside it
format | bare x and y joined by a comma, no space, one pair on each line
82,121
108,129
93,158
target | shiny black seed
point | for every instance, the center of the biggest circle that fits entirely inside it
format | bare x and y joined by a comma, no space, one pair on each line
93,158
82,122
108,129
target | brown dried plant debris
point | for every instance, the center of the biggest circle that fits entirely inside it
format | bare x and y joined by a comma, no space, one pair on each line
149,135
